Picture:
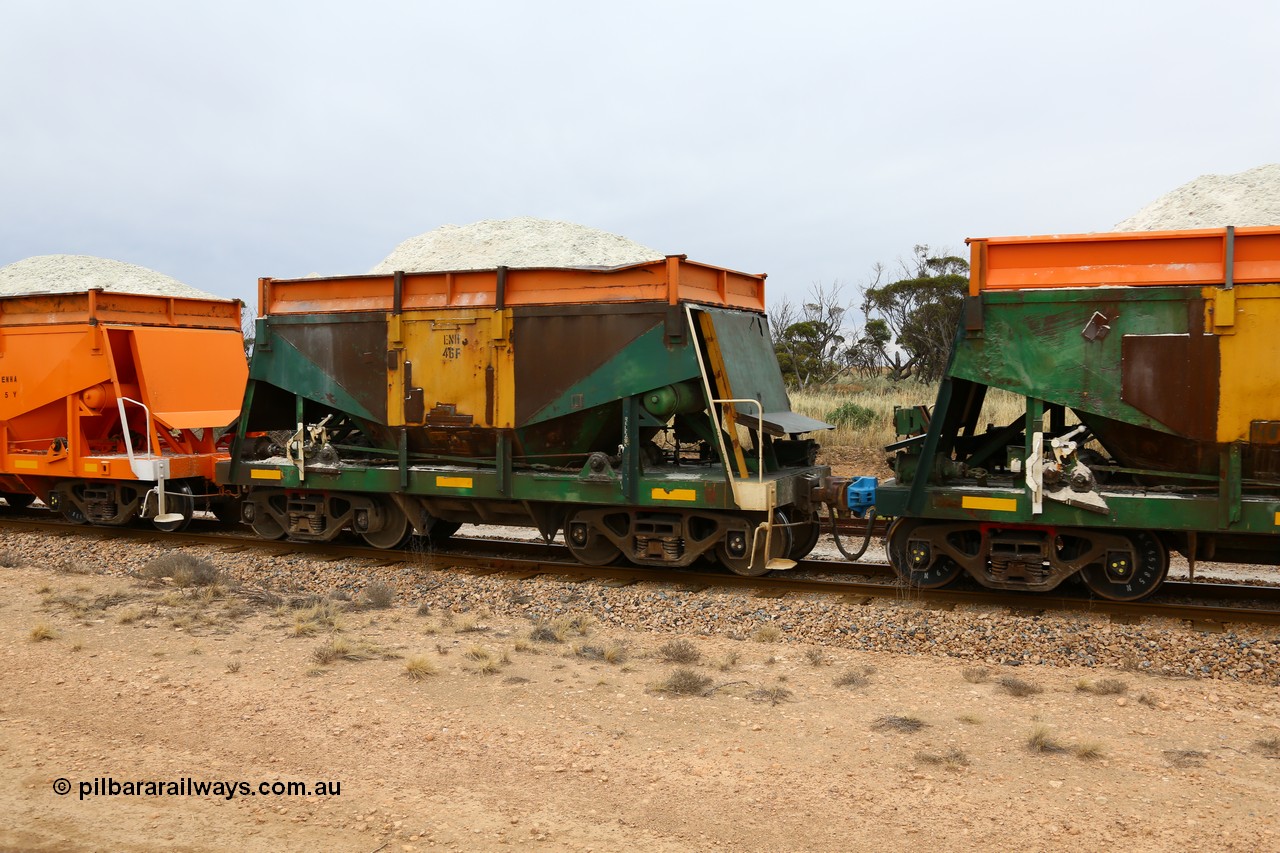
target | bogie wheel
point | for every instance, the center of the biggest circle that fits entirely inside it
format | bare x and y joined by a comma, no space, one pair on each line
265,525
72,513
18,500
804,538
587,544
395,530
177,499
735,551
61,502
1126,575
914,558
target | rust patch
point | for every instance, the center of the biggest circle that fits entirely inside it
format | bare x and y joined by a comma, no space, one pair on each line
1174,378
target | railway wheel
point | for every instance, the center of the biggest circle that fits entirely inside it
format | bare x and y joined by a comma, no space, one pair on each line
914,557
736,554
587,544
177,501
18,500
395,530
265,525
1129,575
804,537
72,513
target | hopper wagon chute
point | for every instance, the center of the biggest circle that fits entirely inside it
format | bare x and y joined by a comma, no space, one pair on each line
110,402
1144,369
640,409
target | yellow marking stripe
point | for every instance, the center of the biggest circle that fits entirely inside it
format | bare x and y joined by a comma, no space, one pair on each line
266,474
26,463
993,504
454,482
674,495
1278,519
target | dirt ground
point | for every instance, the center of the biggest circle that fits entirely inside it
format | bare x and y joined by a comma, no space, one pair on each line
564,741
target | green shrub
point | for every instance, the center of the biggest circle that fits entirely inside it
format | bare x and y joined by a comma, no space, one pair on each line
852,416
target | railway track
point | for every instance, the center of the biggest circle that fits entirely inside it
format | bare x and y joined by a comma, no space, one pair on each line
1205,605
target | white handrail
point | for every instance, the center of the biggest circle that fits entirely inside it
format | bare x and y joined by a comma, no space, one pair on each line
724,452
153,467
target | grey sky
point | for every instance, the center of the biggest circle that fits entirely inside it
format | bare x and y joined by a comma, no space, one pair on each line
219,142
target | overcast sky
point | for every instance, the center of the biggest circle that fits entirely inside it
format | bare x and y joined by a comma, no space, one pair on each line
220,142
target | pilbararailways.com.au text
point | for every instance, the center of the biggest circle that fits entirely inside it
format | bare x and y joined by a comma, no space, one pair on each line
106,786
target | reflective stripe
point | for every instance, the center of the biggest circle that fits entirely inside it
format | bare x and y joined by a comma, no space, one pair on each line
993,504
453,482
266,474
659,494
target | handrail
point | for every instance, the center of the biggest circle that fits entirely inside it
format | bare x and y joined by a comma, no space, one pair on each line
724,453
124,427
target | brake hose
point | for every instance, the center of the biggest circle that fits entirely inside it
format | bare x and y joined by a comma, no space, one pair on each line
871,519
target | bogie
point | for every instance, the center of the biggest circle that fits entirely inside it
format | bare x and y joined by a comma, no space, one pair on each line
1120,565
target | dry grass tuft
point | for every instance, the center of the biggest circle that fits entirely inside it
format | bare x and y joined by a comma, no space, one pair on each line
896,723
378,595
1090,750
684,682
970,719
10,560
42,632
418,668
340,648
1105,687
484,661
1015,686
129,615
728,662
1042,740
952,759
976,674
772,695
1270,746
815,657
233,667
323,614
183,569
561,628
612,652
424,609
767,634
1183,758
1149,700
544,632
859,676
679,651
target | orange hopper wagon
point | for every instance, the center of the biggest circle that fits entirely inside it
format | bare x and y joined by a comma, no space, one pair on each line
110,403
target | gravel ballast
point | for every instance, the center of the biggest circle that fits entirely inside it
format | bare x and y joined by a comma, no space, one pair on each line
991,636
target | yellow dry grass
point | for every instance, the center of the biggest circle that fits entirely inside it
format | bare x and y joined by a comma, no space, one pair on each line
881,396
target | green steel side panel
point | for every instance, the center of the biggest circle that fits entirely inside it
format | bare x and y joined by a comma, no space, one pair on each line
750,360
1032,344
283,365
659,490
644,364
1131,510
480,484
